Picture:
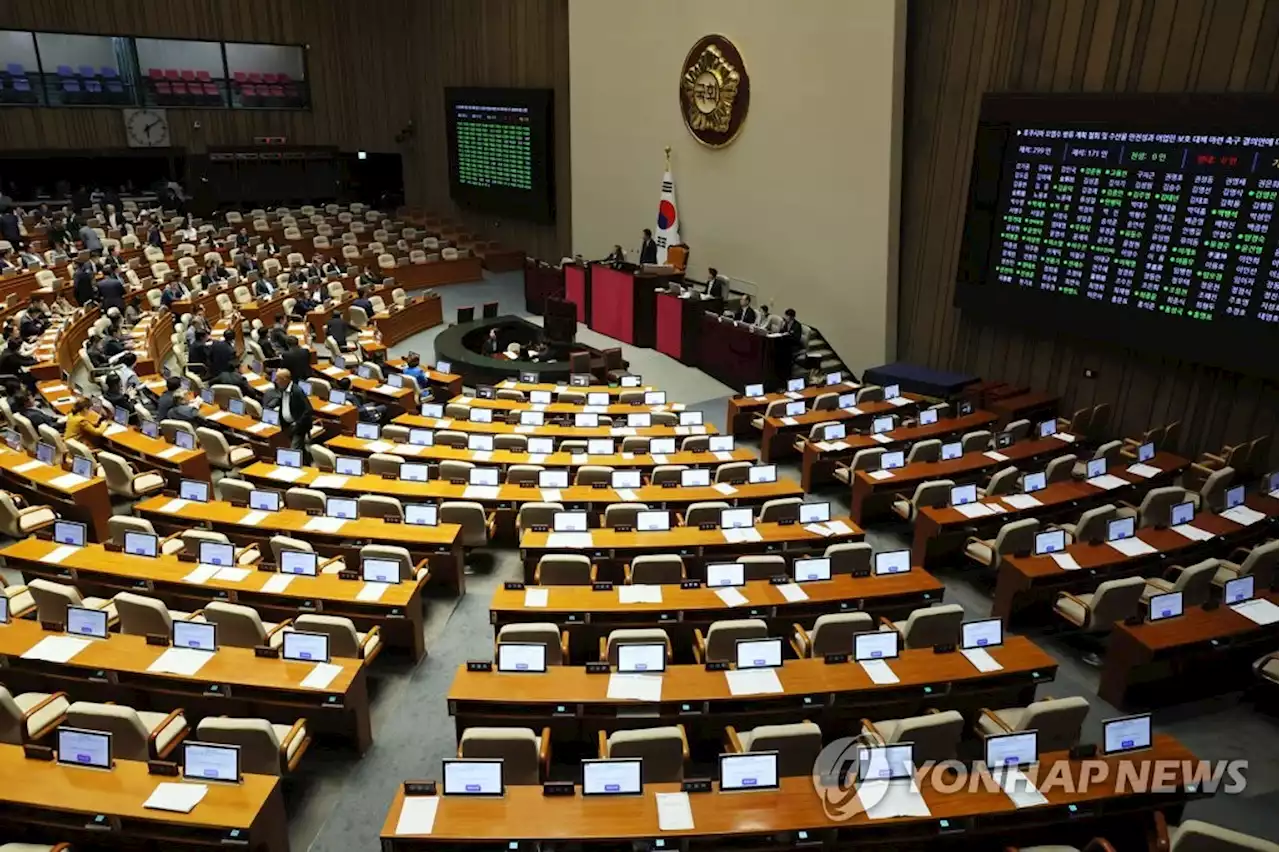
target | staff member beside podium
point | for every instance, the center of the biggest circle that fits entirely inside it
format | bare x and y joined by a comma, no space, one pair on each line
717,287
648,248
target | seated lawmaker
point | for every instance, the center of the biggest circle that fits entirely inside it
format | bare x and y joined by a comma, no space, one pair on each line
745,313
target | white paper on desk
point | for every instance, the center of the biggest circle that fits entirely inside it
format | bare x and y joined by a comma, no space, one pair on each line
881,438
725,488
697,430
538,406
880,474
629,456
170,452
371,592
658,458
176,797
974,510
1275,495
1021,501
982,661
578,458
181,661
996,456
890,799
480,492
1258,610
789,421
642,593
286,474
253,518
792,592
417,815
1065,561
839,528
837,446
321,676
217,415
677,406
753,682
674,813
536,598
854,410
762,398
114,429
1192,532
1132,546
481,455
58,554
232,575
1065,436
550,495
635,687
277,583
384,388
26,466
823,446
201,574
792,395
259,427
446,422
818,529
330,525
328,480
379,446
1243,515
56,649
1019,788
879,672
571,540
625,431
898,400
58,388
1107,482
67,480
595,409
1146,471
731,596
537,458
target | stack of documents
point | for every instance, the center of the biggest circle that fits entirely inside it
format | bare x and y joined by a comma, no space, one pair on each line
176,797
742,535
1258,610
575,540
180,661
1243,515
1107,482
640,594
753,682
635,687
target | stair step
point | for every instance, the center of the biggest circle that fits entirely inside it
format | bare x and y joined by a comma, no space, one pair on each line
822,352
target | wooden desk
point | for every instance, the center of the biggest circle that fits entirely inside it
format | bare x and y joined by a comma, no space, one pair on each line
450,384
614,409
589,615
156,454
693,544
397,324
938,530
871,498
335,418
740,409
1023,582
349,445
71,497
439,545
417,421
1032,405
1200,653
398,400
94,570
818,465
612,390
67,800
963,816
777,439
575,705
116,669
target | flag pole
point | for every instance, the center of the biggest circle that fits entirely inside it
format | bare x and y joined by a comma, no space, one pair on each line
668,151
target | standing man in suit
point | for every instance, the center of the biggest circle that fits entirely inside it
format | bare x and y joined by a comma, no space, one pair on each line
648,248
717,287
111,290
296,359
745,313
82,284
295,410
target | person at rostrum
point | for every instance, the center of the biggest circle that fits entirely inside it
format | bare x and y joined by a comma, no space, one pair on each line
295,409
648,248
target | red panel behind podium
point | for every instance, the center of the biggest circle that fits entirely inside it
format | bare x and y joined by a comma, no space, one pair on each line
670,331
575,289
613,303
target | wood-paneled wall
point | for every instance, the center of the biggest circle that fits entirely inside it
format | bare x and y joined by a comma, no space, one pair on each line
958,50
356,69
518,43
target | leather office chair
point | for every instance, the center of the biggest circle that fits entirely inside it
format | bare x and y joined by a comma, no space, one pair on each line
975,441
719,644
781,509
1061,469
379,506
124,481
394,553
934,736
632,636
543,633
511,443
776,408
229,488
52,600
1212,496
344,639
704,512
798,745
525,755
732,473
1261,562
867,459
589,474
935,493
221,454
832,633
655,569
762,566
1013,537
241,627
135,734
265,748
1110,451
690,444
928,626
1099,610
925,451
304,499
30,716
1194,581
451,438
1092,525
663,751
1019,429
667,473
849,557
535,514
118,525
141,615
1002,482
20,523
623,514
869,393
564,569
1057,721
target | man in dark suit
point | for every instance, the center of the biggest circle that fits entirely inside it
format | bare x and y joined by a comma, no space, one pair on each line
362,302
792,328
490,345
717,287
279,334
295,409
198,351
168,399
296,360
745,313
339,329
648,248
111,290
82,285
222,354
264,288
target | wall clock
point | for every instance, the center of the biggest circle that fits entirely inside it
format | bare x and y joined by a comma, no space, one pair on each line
147,128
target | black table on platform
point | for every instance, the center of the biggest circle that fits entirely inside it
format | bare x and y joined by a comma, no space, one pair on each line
739,355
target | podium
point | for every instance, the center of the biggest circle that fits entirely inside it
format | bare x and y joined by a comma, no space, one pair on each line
541,282
678,324
738,355
622,302
576,288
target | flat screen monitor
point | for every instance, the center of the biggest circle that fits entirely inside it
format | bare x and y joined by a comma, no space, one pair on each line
586,420
1164,606
151,429
647,657
194,490
662,446
1238,590
892,562
481,415
236,406
45,452
1095,467
395,380
812,570
264,501
73,533
82,466
210,762
891,392
4,610
640,421
271,417
482,476
737,518
298,562
540,397
1004,751
341,507
721,574
141,544
598,398
653,521
752,770
618,777
834,431
720,443
421,514
522,657
952,450
1146,452
690,418
795,385
985,633
834,378
85,748
121,415
338,397
794,409
477,776
886,763
288,458
569,522
1033,482
82,621
762,473
305,647
432,409
758,653
697,477
893,460
928,417
380,570
599,446
875,645
528,378
1050,541
580,380
961,494
847,400
815,513
631,381
1235,497
484,443
1126,733
348,466
1182,513
553,479
217,553
1047,428
1120,528
655,397
541,446
185,440
196,635
444,367
485,392
413,472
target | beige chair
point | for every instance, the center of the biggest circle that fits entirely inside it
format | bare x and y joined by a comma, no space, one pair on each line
655,569
344,639
511,443
850,557
663,751
632,636
869,393
135,734
537,514
304,499
451,438
379,506
241,627
453,470
1260,562
868,459
52,600
1092,525
1194,581
1212,496
1097,611
925,451
394,553
1056,721
777,408
705,512
230,489
564,569
1061,469
589,474
265,748
832,633
543,633
124,481
1013,537
477,527
1110,451
797,744
1019,429
691,444
780,509
282,544
30,716
221,454
1156,507
928,626
935,736
762,566
623,514
1002,482
732,473
935,494
975,441
141,615
21,601
20,523
1268,668
1196,836
518,474
719,643
525,756
667,473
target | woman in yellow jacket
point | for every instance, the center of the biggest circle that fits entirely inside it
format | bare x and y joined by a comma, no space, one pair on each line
80,423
